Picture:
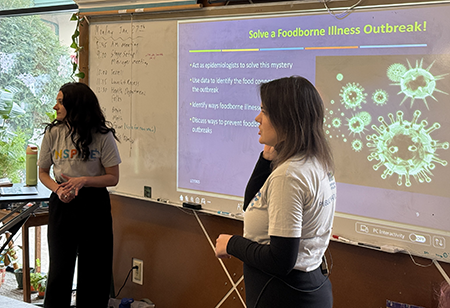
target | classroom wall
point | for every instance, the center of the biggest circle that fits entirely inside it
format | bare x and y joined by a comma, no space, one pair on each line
180,269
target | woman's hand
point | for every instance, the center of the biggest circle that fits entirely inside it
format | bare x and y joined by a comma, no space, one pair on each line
65,195
221,246
73,184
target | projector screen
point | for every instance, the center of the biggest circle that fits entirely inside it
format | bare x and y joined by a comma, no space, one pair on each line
183,94
384,77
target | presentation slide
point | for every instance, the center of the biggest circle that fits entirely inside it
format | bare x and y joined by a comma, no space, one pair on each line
384,76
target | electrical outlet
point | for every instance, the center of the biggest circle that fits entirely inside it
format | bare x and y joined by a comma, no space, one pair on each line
138,274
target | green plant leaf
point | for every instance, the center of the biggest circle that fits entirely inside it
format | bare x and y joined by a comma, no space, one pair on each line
80,75
75,35
75,45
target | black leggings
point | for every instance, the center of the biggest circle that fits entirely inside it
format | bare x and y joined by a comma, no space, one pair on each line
80,228
298,289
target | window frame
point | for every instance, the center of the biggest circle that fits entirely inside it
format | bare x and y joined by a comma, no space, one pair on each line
38,10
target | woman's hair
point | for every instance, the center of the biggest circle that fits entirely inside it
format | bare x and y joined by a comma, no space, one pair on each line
84,116
296,112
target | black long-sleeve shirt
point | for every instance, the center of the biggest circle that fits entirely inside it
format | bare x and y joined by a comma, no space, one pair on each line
259,175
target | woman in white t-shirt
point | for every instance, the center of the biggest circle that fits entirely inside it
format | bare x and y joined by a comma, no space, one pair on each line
80,145
287,225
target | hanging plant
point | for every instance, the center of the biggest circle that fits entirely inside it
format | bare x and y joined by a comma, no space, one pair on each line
75,38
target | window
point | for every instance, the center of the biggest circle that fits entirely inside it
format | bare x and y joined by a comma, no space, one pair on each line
21,6
34,62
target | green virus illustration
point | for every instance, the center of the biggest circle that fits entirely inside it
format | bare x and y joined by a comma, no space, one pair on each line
352,96
405,148
396,71
356,125
357,145
380,97
418,83
336,122
339,77
365,117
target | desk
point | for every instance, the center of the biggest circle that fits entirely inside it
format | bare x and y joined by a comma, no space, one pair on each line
43,195
34,221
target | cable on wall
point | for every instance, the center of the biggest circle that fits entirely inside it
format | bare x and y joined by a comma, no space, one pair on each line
343,14
441,270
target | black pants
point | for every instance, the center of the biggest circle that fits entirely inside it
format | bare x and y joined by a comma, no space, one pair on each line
297,290
80,228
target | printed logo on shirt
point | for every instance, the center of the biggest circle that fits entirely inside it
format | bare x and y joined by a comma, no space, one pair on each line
328,201
332,181
74,154
257,197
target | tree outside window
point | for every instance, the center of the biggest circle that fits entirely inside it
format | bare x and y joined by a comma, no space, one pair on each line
34,62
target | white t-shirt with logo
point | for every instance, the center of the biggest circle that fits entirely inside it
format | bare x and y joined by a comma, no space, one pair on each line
57,149
297,200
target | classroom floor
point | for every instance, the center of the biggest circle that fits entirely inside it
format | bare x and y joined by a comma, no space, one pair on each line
12,303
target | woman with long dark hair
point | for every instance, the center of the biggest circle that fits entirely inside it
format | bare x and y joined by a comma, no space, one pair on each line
80,145
287,225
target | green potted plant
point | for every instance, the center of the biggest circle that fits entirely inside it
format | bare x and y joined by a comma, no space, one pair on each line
19,276
9,257
38,282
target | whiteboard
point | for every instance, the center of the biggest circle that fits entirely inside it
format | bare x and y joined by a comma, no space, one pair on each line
183,94
133,71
